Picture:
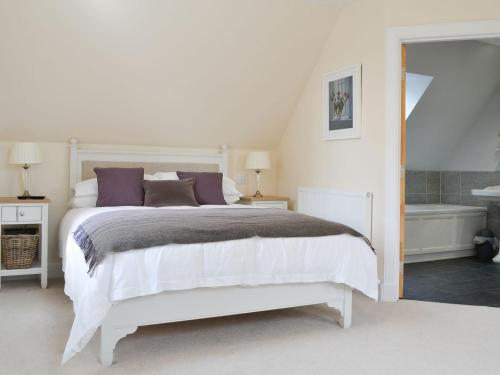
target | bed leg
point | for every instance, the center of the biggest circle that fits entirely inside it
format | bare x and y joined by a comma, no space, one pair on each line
109,338
344,307
346,313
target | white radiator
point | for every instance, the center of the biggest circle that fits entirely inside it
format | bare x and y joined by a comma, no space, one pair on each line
351,209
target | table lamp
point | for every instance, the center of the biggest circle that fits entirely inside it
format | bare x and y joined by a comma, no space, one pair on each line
25,154
258,161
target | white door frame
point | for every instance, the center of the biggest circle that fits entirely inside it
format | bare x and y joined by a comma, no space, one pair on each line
394,38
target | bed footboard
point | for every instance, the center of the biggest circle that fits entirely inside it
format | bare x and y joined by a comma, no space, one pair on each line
125,316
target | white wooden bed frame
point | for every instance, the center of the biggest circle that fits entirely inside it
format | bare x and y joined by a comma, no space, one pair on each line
124,317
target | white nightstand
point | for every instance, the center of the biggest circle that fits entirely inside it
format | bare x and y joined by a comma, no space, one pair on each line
19,213
267,201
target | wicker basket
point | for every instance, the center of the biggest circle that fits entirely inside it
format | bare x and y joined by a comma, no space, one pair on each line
19,250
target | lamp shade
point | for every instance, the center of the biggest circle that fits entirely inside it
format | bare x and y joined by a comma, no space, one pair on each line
258,160
25,153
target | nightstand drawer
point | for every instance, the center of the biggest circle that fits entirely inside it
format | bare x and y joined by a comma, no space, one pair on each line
266,202
269,204
29,213
9,214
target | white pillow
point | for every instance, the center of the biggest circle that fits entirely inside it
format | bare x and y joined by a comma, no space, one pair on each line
83,201
231,194
170,176
233,198
150,177
229,187
86,188
89,187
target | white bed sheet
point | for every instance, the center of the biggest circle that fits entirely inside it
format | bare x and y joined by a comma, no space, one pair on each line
254,261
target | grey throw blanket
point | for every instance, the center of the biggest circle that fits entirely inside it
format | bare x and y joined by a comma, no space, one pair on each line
119,231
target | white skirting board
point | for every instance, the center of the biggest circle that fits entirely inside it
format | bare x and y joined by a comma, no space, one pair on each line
439,256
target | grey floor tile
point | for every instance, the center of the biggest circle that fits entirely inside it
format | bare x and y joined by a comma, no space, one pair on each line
495,290
465,287
460,281
478,298
463,275
423,291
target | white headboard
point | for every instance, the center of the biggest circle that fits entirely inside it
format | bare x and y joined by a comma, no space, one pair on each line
352,209
78,156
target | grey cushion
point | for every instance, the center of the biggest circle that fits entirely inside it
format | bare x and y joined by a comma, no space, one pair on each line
119,186
169,193
207,186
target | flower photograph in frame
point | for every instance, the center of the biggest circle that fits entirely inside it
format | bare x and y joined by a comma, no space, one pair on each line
342,104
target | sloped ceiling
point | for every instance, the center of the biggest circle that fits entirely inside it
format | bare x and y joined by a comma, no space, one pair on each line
174,73
466,76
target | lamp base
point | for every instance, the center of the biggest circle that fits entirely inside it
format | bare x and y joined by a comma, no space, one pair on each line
27,195
257,194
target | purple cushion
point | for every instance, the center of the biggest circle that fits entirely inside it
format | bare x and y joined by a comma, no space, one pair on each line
119,186
207,186
169,193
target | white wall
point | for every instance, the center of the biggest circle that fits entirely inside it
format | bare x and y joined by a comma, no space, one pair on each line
479,147
466,75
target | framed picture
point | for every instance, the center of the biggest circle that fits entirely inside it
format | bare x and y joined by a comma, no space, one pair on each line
342,104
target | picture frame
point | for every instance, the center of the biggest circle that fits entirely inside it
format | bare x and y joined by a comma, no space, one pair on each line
342,104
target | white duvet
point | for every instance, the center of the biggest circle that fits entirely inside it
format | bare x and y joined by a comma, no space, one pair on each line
255,261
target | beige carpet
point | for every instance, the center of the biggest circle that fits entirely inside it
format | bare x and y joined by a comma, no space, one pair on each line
405,338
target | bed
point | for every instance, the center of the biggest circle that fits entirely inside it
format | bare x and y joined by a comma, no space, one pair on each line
180,282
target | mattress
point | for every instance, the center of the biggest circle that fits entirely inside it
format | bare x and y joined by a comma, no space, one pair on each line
254,261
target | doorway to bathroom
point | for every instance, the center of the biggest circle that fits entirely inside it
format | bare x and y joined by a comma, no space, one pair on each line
450,216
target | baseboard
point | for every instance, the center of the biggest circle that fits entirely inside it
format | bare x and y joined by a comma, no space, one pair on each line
415,258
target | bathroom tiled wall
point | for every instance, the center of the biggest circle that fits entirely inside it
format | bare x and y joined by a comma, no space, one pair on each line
450,187
423,187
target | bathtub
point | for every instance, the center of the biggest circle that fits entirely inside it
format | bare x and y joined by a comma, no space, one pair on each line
441,231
